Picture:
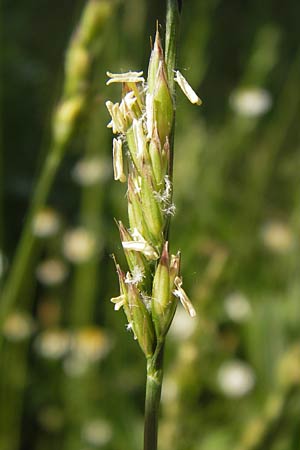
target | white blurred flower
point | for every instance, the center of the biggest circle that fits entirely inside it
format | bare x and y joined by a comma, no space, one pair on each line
251,102
51,272
237,307
18,326
45,223
52,344
169,390
182,326
79,245
89,171
97,432
188,352
235,378
88,345
277,236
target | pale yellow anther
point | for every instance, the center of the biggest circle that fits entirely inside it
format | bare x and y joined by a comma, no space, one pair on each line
126,106
118,161
119,119
127,77
140,138
141,246
185,301
118,301
187,89
118,122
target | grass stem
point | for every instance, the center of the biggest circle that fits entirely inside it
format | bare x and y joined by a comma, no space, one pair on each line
79,61
155,364
153,393
28,242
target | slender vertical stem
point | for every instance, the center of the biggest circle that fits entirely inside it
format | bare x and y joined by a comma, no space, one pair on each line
172,28
1,146
28,241
171,43
74,100
153,393
155,363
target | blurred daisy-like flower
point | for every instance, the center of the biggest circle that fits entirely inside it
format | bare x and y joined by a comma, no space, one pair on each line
237,307
52,344
88,345
277,236
182,327
97,432
51,272
79,245
89,171
170,390
251,102
288,370
235,378
46,223
18,326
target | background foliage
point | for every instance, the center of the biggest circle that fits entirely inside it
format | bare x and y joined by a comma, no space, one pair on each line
71,376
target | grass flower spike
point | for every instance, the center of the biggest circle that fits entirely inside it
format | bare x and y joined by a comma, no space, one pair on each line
149,291
143,121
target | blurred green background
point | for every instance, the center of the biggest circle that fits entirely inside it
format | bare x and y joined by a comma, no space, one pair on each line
71,376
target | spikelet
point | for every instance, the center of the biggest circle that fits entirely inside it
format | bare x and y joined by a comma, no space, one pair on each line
143,122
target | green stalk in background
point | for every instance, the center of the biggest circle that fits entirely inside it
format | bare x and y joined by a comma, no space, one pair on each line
150,290
75,95
91,213
262,430
80,315
84,50
1,160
